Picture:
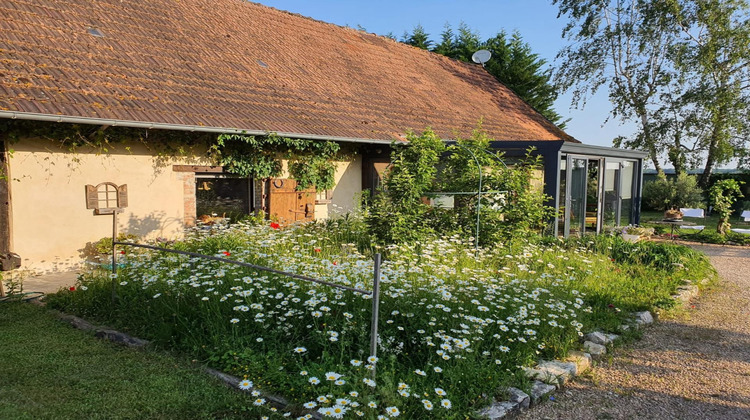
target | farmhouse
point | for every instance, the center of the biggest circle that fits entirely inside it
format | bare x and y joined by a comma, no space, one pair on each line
139,93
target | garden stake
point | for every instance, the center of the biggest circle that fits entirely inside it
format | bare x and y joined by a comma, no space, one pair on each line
375,306
114,255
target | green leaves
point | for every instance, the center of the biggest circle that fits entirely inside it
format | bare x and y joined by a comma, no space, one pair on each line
663,193
310,161
723,194
677,68
511,205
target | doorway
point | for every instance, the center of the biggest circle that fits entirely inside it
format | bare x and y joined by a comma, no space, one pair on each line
595,193
582,203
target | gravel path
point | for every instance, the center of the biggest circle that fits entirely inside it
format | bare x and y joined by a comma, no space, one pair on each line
697,367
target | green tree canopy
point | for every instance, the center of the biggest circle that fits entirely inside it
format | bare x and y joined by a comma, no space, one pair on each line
679,69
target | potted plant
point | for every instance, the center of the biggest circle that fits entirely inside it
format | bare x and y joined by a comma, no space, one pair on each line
673,214
635,233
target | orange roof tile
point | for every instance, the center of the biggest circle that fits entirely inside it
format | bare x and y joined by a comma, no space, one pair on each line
235,64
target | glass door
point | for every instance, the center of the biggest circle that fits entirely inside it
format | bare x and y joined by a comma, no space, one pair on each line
627,183
611,211
582,209
577,197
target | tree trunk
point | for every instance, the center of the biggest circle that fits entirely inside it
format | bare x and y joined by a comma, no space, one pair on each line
652,153
713,144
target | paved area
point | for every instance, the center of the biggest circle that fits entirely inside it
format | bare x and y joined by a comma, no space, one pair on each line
696,367
45,283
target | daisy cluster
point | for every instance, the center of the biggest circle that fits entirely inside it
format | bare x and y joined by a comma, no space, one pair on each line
455,324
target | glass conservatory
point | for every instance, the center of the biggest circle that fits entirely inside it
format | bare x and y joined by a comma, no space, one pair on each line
591,187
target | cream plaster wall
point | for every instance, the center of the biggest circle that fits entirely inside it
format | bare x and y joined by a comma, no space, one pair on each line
346,192
51,225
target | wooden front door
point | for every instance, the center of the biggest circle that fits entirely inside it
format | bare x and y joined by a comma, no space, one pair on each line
287,204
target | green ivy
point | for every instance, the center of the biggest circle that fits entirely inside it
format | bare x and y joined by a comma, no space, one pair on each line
311,162
723,194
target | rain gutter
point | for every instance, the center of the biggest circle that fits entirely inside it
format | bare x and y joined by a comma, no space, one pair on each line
14,115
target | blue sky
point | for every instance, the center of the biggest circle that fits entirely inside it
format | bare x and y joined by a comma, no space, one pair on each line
536,20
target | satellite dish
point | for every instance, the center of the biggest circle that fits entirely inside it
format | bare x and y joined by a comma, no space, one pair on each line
481,57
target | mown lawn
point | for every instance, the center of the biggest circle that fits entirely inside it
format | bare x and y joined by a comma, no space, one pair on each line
49,370
710,222
708,235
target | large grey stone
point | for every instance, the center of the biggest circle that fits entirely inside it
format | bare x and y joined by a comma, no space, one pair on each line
518,401
539,390
499,410
77,322
515,395
596,350
612,337
120,338
643,318
552,372
581,359
685,293
597,337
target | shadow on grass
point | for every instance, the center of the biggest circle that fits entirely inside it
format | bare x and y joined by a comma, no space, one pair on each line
51,371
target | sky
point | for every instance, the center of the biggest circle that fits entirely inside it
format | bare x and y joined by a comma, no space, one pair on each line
535,20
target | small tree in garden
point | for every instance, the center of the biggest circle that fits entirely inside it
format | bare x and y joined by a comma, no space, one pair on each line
510,206
398,212
723,194
662,193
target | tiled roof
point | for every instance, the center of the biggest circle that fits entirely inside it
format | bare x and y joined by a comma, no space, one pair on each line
235,64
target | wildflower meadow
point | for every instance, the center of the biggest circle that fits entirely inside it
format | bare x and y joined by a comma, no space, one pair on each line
456,324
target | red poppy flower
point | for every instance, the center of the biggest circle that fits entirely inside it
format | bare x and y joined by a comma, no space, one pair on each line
335,263
317,249
227,253
275,225
72,288
122,252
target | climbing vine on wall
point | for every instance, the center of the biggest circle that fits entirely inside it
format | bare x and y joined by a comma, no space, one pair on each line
310,162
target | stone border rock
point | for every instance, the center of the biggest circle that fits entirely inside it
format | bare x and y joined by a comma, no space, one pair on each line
551,375
548,376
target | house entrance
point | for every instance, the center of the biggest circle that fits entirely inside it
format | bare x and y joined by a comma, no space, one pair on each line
286,204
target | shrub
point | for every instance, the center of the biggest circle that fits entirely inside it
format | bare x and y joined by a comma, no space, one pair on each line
511,207
663,193
397,212
723,194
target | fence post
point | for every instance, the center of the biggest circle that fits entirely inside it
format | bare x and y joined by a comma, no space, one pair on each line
375,307
114,254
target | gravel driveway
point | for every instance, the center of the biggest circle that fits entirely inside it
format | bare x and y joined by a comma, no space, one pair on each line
697,367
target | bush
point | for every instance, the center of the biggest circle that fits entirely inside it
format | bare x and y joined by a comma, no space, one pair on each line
723,195
511,207
663,193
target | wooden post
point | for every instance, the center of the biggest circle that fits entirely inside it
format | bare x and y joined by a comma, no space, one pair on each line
4,200
4,207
